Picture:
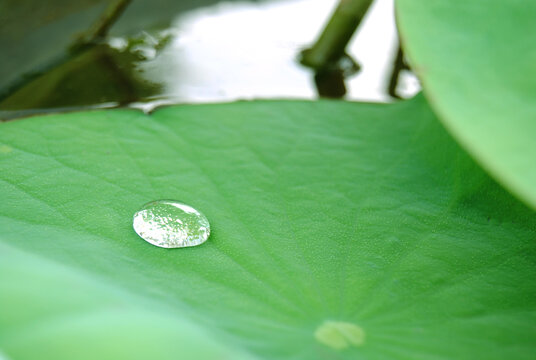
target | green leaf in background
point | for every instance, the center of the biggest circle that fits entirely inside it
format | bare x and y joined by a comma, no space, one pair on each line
35,35
477,63
339,231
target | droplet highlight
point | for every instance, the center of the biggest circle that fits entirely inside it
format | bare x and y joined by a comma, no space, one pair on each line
171,224
340,335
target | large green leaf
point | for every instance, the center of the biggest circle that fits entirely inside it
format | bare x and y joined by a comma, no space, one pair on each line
339,230
477,63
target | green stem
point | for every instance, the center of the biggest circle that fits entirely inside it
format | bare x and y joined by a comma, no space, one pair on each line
111,14
398,66
101,27
331,44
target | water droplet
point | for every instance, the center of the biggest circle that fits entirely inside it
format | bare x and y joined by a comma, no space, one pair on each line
171,224
340,335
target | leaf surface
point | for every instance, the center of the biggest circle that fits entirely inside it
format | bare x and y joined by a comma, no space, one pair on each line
476,61
339,231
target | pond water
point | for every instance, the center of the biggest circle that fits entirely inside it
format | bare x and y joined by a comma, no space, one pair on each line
220,52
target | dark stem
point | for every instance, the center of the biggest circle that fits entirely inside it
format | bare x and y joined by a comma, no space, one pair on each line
331,44
101,27
330,84
398,65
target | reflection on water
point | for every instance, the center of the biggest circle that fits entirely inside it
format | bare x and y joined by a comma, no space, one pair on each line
246,51
223,52
100,77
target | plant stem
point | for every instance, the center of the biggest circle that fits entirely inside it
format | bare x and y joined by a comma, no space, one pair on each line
101,27
398,65
108,18
331,44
